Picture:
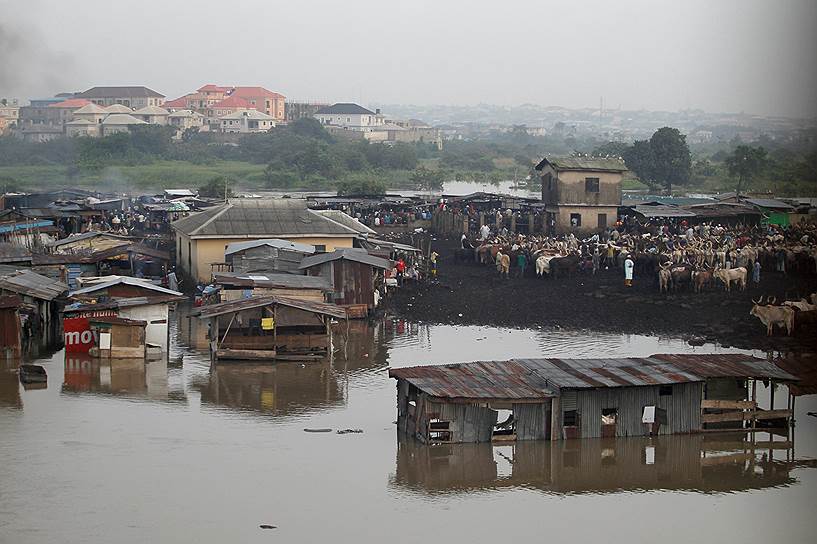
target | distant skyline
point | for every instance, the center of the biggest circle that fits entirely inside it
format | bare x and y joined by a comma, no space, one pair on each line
752,56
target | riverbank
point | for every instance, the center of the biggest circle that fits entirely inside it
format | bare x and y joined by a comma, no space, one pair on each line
472,294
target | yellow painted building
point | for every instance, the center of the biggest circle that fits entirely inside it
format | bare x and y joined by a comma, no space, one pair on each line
201,238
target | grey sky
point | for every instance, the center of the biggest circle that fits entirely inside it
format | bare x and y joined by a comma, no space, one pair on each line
720,55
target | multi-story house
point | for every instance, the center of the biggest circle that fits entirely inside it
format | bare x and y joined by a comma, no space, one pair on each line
133,97
349,116
263,100
301,110
580,193
9,114
246,121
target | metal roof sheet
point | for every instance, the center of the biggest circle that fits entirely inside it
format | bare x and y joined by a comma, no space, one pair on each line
350,254
233,306
593,164
541,378
263,279
661,210
770,203
235,247
260,217
26,282
126,280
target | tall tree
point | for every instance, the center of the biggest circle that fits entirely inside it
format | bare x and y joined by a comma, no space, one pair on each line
672,161
744,163
639,158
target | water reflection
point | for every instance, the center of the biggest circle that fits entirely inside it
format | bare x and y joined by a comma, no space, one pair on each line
706,464
132,377
9,385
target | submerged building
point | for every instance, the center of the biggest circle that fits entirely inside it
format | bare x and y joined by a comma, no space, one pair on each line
556,399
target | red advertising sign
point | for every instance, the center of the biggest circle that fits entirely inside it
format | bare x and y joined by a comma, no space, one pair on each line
79,338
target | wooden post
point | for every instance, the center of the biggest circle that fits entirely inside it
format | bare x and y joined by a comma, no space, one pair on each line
754,400
555,419
771,395
230,324
275,327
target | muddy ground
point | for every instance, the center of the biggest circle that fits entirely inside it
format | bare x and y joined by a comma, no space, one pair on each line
472,294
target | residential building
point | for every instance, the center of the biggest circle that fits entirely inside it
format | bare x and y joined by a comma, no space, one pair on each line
185,119
580,193
246,121
263,100
349,116
132,97
301,110
202,238
224,107
118,108
119,122
9,114
81,127
153,115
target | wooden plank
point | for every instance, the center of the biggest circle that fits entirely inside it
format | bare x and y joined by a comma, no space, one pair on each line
726,459
745,416
245,354
728,404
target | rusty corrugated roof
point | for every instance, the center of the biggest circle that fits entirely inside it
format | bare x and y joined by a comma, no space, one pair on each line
541,378
233,306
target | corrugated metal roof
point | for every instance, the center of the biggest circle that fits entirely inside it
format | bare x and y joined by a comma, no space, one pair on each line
540,378
769,203
260,217
263,279
350,254
26,282
235,247
233,306
346,220
593,164
120,280
661,210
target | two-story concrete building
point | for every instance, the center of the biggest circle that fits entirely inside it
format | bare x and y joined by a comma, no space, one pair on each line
246,121
349,116
580,193
133,97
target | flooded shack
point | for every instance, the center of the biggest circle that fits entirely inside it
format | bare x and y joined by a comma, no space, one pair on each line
270,255
355,277
42,299
557,399
270,327
236,285
118,338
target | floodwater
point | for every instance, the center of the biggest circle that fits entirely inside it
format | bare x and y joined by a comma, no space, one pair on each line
175,452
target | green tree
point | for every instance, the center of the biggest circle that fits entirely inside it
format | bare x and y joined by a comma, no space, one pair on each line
672,161
425,179
745,163
361,185
640,159
217,187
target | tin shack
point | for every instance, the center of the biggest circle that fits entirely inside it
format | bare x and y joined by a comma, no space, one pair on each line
555,399
270,255
354,275
270,327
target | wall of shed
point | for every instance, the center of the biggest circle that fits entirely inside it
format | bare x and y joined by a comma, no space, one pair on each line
267,259
569,188
156,316
683,408
469,422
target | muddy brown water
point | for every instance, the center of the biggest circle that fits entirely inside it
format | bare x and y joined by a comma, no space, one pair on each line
175,452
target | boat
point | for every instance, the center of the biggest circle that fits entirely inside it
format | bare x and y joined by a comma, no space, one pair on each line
32,374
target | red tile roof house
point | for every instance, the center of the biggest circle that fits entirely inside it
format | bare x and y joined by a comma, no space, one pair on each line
263,100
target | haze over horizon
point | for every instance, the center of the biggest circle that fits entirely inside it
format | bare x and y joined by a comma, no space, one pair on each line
750,56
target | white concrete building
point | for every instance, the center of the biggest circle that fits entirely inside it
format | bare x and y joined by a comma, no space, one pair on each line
246,121
349,116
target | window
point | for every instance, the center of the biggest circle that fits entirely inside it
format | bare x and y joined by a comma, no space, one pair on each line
320,248
591,185
609,416
602,220
575,220
570,418
665,391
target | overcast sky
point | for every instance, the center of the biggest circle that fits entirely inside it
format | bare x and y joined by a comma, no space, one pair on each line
756,56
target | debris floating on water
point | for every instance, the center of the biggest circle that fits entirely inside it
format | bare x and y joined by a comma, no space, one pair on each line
318,430
350,431
265,526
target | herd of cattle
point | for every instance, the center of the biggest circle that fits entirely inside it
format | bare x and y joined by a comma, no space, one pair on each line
684,262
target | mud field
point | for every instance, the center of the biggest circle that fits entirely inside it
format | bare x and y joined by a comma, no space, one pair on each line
473,294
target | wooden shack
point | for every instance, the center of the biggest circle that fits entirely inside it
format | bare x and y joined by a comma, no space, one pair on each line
555,399
42,299
10,328
118,338
235,285
270,327
270,255
354,275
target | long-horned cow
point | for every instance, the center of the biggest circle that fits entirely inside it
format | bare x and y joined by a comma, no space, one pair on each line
770,315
